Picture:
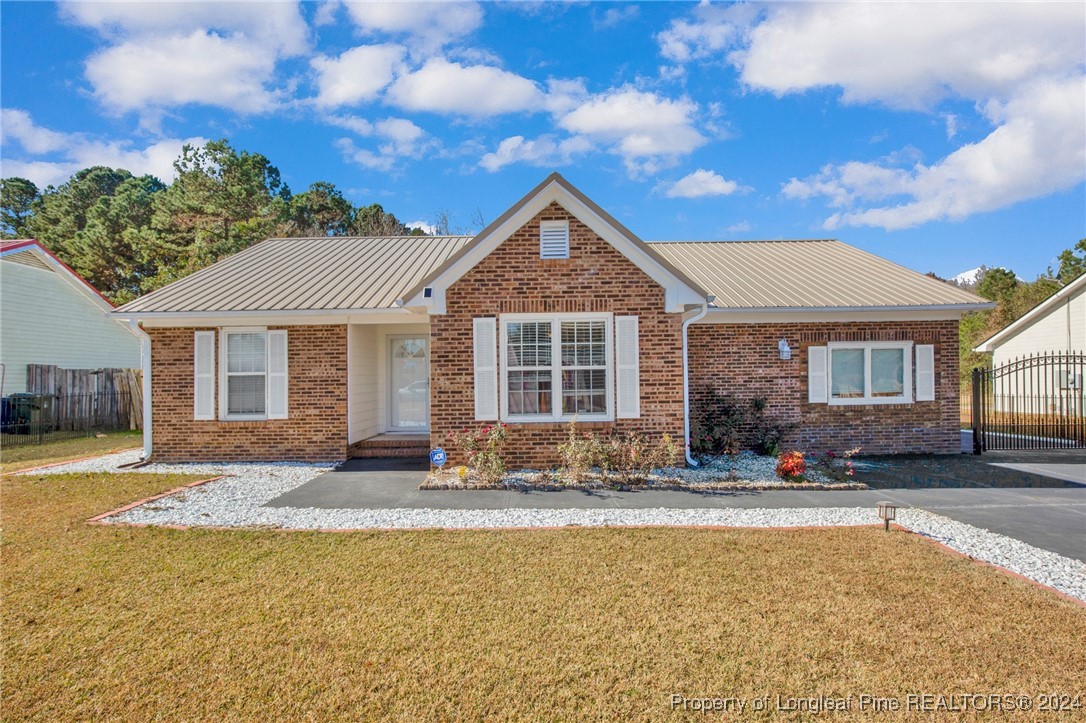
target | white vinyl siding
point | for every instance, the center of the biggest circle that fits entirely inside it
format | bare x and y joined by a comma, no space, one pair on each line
554,239
44,320
486,368
925,373
627,368
203,385
557,367
869,373
253,374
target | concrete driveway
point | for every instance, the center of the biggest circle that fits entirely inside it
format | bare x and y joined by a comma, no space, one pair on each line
1049,517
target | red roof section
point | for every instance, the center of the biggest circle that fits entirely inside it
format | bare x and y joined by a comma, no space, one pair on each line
28,243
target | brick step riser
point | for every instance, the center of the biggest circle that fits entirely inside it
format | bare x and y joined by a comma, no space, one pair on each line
385,452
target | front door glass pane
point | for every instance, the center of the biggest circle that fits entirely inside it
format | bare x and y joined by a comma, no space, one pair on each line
410,383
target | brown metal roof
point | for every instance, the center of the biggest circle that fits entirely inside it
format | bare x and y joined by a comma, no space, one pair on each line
371,273
292,274
805,274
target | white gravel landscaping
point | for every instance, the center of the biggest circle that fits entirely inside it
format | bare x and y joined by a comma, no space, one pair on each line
237,501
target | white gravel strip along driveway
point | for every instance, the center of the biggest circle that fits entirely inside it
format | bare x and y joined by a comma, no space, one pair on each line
238,499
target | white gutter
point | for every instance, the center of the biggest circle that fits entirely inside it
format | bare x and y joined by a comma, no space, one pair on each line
686,381
145,361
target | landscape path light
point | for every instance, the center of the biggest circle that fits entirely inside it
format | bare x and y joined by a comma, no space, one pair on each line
887,512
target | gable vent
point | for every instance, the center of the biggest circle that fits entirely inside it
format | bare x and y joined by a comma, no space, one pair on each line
554,239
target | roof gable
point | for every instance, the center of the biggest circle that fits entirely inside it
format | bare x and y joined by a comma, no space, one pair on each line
1032,316
31,253
679,290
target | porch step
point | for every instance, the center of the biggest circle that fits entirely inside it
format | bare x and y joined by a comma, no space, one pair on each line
386,446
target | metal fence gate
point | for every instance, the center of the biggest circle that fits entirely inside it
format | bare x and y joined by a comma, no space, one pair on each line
1036,402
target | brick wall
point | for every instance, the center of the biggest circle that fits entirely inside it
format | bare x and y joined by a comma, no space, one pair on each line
742,360
316,430
514,280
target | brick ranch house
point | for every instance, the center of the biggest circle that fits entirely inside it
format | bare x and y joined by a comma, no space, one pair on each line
319,349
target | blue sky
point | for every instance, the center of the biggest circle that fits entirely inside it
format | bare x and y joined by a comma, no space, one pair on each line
939,135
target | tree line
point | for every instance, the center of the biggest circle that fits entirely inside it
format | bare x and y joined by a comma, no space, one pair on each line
1013,297
129,235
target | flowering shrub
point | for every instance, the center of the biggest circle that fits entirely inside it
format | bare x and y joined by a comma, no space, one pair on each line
791,465
483,450
836,467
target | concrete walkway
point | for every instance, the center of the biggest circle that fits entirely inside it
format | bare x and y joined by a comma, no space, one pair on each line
1052,518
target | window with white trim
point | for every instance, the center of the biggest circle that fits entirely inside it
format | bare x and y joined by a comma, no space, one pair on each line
557,367
246,370
870,373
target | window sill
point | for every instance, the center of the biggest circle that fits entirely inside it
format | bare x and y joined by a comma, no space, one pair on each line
865,402
244,418
580,420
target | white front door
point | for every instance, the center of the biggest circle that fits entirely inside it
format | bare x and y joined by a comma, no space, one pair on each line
409,372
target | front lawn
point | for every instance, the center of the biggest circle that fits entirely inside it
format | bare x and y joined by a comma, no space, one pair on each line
137,623
33,455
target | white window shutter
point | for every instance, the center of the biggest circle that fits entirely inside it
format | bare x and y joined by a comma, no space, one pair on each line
925,373
277,374
816,375
627,368
203,385
486,368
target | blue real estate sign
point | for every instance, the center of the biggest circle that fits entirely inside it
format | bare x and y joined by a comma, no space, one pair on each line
438,456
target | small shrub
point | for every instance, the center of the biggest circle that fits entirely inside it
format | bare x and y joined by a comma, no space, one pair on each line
722,425
580,453
483,450
836,467
632,456
791,465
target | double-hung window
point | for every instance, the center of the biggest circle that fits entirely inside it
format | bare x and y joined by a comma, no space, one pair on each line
870,373
246,374
557,367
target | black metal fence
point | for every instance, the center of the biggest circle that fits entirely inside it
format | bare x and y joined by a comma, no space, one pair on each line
40,418
1036,402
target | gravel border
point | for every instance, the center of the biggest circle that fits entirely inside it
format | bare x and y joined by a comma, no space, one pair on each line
237,500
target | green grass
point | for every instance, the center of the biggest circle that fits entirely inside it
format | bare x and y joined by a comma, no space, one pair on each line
139,623
33,455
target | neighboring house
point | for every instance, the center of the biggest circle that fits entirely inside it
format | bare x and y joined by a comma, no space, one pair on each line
303,348
1056,326
51,315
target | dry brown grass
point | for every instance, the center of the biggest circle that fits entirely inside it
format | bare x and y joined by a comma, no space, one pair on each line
33,455
138,623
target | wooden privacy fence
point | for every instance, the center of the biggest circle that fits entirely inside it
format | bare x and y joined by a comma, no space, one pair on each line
100,398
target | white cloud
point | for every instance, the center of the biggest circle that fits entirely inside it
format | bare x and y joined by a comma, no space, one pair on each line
701,183
430,24
398,138
425,227
18,127
201,68
545,150
1037,149
1020,64
278,24
357,75
649,132
741,227
476,91
615,16
911,55
164,55
71,152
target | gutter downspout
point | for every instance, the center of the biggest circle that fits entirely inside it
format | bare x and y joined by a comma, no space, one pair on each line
686,379
145,363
